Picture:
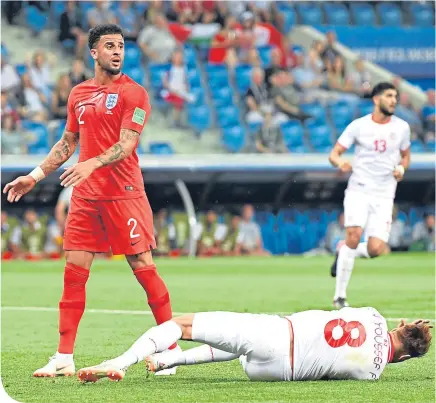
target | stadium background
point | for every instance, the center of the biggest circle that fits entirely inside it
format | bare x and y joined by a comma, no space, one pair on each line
209,160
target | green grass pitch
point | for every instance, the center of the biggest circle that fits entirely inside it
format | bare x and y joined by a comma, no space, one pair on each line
398,286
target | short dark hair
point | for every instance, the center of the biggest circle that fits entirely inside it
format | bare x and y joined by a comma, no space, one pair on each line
416,339
98,31
380,88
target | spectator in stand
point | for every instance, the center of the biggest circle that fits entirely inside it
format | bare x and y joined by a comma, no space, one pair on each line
423,235
165,234
289,57
329,53
406,111
156,41
78,72
10,79
275,67
209,235
225,43
229,242
71,27
154,7
257,98
305,77
249,239
59,97
62,206
186,11
315,62
40,71
266,11
429,116
361,80
32,101
9,249
176,87
101,14
397,239
54,241
234,8
336,78
127,20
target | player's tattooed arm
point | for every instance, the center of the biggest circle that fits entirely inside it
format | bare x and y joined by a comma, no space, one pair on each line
120,150
60,152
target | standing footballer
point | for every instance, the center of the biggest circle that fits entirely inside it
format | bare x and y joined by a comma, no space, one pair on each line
382,157
109,207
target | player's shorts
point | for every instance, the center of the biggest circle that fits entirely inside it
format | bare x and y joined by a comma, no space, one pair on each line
263,339
372,213
125,226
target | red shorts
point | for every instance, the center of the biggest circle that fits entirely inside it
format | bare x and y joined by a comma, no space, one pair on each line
126,226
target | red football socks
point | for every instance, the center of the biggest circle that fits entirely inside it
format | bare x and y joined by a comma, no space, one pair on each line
71,306
157,293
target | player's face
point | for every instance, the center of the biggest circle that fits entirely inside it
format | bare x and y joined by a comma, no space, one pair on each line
387,102
109,53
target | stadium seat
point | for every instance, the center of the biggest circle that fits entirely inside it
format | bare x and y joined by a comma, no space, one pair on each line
56,10
317,111
427,111
21,69
310,13
60,130
422,15
160,148
132,55
5,52
389,14
218,80
430,145
341,114
228,116
40,143
290,18
265,55
365,107
136,73
35,19
243,78
199,95
363,14
417,146
293,134
321,138
234,138
222,96
157,72
190,56
194,78
336,14
199,117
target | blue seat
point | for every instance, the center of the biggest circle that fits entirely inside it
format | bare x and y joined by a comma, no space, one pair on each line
422,15
157,72
417,146
35,19
336,14
132,55
161,148
390,14
199,117
427,111
5,52
430,145
56,9
254,127
190,56
290,18
222,97
243,78
363,14
365,107
341,114
293,134
218,80
136,73
194,78
317,111
234,138
59,131
265,55
199,95
40,142
321,138
310,13
21,69
228,116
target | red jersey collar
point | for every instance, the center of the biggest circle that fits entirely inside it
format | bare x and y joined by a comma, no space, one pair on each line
391,350
378,122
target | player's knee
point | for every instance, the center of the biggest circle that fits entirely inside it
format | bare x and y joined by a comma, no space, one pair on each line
185,323
352,239
140,260
79,258
376,248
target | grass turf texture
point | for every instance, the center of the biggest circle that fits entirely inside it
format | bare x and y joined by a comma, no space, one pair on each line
398,286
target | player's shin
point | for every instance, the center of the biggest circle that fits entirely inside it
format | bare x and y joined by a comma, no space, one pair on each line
202,355
154,340
71,306
345,267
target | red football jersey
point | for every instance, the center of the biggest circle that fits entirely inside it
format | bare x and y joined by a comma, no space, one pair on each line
98,113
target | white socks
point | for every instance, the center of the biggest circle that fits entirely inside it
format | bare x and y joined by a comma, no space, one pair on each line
204,354
154,340
362,250
344,269
64,358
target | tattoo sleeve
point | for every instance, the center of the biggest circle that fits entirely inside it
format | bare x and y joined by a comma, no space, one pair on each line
60,152
120,150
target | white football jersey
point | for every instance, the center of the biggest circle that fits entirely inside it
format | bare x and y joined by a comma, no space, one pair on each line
352,343
377,153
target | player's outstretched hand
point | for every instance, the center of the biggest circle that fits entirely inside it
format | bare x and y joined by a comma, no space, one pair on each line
77,173
19,187
345,167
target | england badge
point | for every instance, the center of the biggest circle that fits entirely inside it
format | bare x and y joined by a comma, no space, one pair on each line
111,100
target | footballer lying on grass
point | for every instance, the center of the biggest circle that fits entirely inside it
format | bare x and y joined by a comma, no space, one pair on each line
352,343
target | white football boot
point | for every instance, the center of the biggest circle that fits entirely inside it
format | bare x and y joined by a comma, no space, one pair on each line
55,368
107,369
156,362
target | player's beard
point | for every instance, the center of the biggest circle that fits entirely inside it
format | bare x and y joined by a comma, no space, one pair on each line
385,111
106,67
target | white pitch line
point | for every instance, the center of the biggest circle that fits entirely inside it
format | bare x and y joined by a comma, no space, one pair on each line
146,313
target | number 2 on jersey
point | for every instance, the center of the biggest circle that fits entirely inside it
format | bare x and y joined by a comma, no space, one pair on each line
380,145
347,328
82,111
135,223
